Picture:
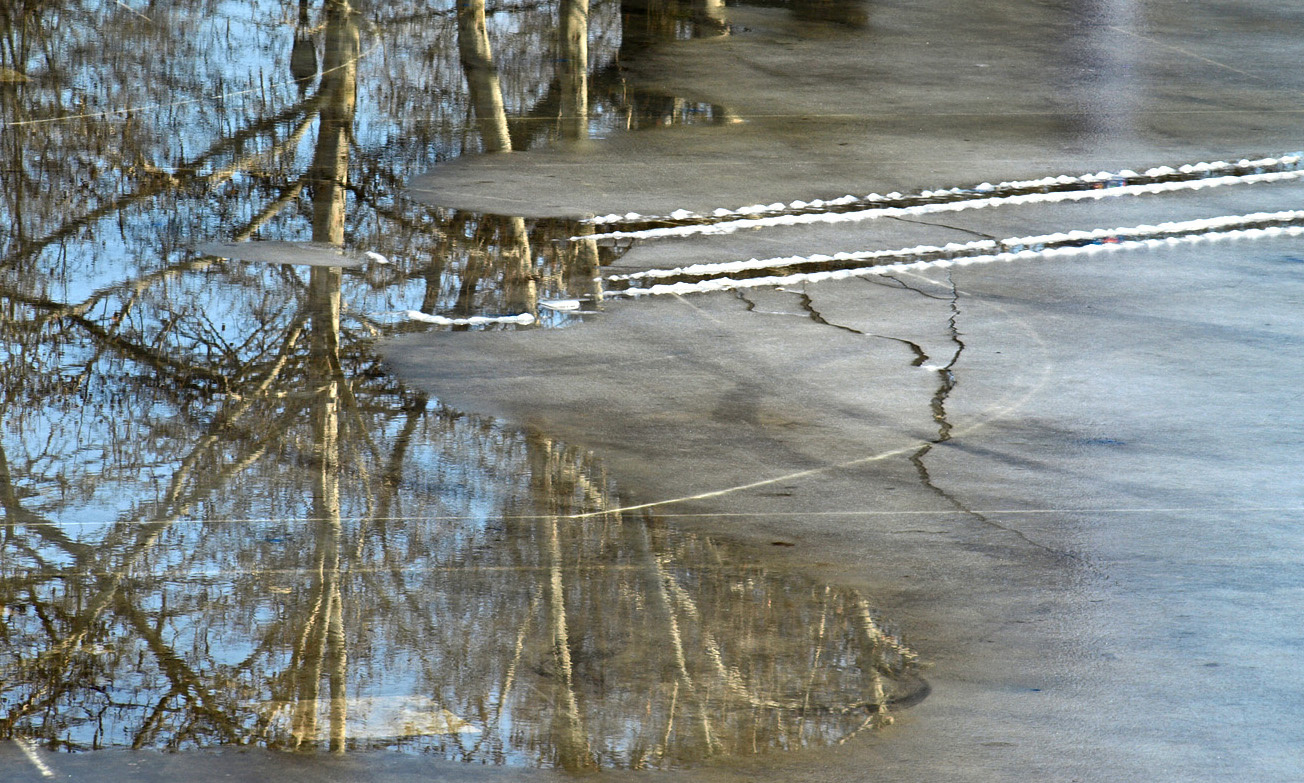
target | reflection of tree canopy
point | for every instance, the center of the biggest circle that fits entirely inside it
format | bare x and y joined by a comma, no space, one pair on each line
224,523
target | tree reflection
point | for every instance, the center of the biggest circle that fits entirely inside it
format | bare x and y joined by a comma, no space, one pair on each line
523,635
223,524
482,76
573,67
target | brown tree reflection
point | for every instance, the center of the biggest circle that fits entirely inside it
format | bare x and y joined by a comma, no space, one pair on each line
573,67
322,644
531,639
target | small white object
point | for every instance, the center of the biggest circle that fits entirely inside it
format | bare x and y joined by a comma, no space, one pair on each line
475,320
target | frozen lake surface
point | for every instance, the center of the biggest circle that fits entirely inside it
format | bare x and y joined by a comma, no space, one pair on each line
775,391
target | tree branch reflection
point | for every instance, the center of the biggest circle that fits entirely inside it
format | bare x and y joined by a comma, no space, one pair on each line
224,525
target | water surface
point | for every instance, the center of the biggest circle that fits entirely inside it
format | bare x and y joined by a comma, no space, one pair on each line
225,524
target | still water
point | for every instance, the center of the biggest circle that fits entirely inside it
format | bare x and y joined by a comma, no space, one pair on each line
224,524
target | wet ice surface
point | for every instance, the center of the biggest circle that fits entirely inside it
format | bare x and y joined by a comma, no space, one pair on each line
1042,403
1070,447
1039,438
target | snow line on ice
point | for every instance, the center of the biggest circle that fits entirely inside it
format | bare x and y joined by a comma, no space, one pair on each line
1187,170
728,284
992,414
726,267
475,320
873,213
981,202
1172,227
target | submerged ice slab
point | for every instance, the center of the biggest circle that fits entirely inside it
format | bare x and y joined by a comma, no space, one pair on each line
282,252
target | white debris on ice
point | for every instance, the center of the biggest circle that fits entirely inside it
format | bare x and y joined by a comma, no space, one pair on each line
523,319
561,305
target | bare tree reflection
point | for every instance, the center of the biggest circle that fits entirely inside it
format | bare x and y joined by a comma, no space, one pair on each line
224,525
321,651
491,115
612,642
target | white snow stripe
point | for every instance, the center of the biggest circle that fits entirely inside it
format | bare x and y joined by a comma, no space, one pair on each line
1172,227
728,284
476,320
730,226
1289,159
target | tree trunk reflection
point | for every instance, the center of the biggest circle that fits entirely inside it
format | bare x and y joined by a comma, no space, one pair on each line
324,653
573,67
482,76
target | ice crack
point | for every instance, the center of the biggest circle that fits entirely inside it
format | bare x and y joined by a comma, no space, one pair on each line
947,383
